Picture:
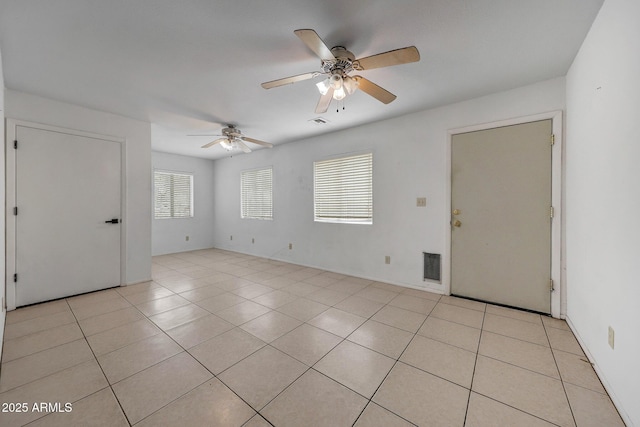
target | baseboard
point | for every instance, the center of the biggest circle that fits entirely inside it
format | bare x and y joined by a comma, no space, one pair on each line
137,282
346,273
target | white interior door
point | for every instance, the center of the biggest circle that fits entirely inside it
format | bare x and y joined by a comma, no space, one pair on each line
501,222
67,187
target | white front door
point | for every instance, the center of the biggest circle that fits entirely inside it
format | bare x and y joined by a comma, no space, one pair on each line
67,187
501,223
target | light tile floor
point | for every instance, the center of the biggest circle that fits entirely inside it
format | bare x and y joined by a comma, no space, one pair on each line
224,339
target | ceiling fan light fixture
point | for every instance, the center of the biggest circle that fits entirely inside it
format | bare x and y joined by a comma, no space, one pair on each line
227,145
336,81
350,85
323,86
339,94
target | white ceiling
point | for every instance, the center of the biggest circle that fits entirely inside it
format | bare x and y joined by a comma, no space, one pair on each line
190,66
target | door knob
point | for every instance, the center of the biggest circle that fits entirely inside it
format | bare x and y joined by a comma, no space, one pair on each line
112,221
456,211
457,223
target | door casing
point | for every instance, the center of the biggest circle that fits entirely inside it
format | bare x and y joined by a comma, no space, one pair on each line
558,295
11,131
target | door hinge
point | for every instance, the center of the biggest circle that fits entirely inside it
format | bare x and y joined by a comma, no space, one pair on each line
15,144
15,277
551,287
551,212
15,210
553,139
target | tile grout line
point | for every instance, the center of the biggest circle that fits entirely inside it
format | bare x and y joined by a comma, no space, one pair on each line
109,385
48,348
346,339
370,400
49,374
475,364
511,364
518,339
564,389
53,373
517,409
308,367
257,412
169,403
148,367
214,376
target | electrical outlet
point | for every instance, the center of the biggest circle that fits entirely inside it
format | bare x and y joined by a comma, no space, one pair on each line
253,240
186,238
421,202
290,245
387,259
611,337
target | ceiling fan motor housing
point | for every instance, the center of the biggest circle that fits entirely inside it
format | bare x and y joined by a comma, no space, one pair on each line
341,65
231,131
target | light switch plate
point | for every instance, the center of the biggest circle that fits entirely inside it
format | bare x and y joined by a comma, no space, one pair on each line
611,337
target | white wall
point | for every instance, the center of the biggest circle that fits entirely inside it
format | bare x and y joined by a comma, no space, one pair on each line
137,213
603,199
410,160
168,235
3,312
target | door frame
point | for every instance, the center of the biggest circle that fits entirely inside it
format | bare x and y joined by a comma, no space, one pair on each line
558,295
11,131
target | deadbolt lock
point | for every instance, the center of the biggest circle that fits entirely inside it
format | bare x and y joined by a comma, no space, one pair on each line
456,211
457,223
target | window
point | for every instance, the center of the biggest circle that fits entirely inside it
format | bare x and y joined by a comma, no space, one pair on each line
343,190
256,194
173,195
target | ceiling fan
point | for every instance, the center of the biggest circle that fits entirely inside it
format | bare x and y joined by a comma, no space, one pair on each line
233,138
338,63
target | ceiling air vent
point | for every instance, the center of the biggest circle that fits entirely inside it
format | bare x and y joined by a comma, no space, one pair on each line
319,121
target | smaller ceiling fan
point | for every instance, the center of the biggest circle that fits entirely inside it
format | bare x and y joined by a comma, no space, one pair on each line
337,63
233,138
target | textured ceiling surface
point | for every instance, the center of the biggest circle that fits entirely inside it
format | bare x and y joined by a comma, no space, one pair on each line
192,66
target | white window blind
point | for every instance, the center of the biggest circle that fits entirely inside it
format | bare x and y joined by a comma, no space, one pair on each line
173,195
343,189
256,188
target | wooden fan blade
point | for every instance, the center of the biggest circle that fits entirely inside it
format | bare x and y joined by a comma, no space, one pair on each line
370,88
387,59
325,100
257,141
213,142
243,146
289,80
315,43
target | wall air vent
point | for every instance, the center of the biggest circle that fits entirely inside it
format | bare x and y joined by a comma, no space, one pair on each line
431,266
